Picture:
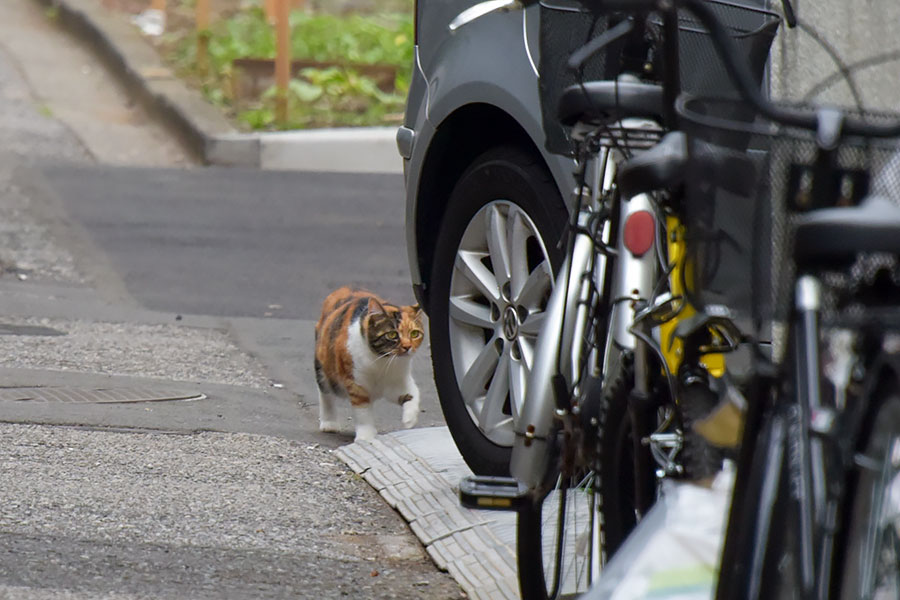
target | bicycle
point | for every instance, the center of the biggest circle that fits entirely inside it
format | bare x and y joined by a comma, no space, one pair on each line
610,418
816,509
821,482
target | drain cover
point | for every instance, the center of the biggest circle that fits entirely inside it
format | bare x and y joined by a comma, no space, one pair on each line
87,395
7,329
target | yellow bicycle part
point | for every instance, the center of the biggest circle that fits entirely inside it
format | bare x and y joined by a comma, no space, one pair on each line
673,347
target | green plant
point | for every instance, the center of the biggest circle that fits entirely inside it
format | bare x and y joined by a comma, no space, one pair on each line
334,96
323,97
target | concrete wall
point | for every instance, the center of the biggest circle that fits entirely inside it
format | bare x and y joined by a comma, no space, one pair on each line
858,30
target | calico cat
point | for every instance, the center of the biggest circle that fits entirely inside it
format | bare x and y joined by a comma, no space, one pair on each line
364,349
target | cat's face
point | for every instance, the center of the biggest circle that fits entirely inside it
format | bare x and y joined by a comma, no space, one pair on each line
392,330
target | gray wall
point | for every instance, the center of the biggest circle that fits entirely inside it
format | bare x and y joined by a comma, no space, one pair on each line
858,30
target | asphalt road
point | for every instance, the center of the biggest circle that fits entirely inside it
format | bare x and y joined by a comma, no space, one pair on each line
239,242
255,252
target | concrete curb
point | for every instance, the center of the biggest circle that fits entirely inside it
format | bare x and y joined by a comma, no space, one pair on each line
204,130
355,150
416,471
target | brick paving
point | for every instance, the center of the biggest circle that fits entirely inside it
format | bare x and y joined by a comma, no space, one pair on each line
417,473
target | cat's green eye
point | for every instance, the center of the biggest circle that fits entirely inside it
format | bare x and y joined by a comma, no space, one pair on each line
392,335
415,333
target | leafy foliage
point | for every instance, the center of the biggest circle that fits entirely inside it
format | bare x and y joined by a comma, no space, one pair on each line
333,95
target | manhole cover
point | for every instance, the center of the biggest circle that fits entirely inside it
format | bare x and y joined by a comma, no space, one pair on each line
87,395
7,329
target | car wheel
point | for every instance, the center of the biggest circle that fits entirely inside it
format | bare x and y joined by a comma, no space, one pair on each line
495,260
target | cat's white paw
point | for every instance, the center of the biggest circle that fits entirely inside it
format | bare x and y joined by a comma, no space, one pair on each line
365,433
410,413
329,426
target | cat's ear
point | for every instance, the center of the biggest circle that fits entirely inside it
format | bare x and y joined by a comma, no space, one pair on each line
416,310
375,307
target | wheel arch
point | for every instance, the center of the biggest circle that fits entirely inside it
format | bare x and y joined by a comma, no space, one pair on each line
465,134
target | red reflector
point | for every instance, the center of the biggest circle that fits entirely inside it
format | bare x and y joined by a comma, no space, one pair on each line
640,231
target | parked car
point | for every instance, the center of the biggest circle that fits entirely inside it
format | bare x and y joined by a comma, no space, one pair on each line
486,208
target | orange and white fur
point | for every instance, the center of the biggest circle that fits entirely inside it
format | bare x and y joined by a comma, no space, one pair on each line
364,350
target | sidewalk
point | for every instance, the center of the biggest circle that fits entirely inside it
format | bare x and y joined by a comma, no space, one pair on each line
208,134
417,473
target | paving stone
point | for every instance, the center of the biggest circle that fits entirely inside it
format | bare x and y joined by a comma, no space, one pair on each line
473,541
476,547
406,510
505,593
502,565
374,478
509,587
399,449
361,454
386,453
478,569
392,475
451,548
352,458
435,553
464,575
405,490
423,484
486,593
389,496
433,527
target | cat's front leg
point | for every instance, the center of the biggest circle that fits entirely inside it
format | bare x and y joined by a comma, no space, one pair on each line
409,401
365,422
363,417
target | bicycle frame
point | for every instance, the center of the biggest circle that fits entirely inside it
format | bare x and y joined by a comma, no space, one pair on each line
555,374
799,426
628,285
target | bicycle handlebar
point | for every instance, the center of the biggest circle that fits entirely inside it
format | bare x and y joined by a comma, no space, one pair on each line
739,72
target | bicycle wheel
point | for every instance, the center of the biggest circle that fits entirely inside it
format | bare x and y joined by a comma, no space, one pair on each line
871,560
557,540
616,486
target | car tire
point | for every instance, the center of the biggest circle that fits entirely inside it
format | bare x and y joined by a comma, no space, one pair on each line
494,265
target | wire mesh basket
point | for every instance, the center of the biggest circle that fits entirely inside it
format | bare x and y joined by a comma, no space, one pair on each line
741,206
567,25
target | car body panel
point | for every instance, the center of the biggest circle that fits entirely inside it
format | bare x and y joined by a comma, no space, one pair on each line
491,61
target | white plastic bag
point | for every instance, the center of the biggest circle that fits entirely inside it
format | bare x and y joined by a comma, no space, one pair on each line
151,22
674,551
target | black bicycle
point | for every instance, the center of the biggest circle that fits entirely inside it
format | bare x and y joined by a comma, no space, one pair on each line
796,204
816,503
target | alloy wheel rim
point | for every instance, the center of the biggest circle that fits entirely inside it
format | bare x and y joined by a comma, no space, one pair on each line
501,281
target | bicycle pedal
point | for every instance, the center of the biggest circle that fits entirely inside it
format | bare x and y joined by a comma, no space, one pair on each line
492,493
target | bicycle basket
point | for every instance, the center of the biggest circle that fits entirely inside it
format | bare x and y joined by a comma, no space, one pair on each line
740,207
565,26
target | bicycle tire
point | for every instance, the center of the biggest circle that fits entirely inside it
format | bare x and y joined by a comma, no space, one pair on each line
536,540
616,471
871,538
